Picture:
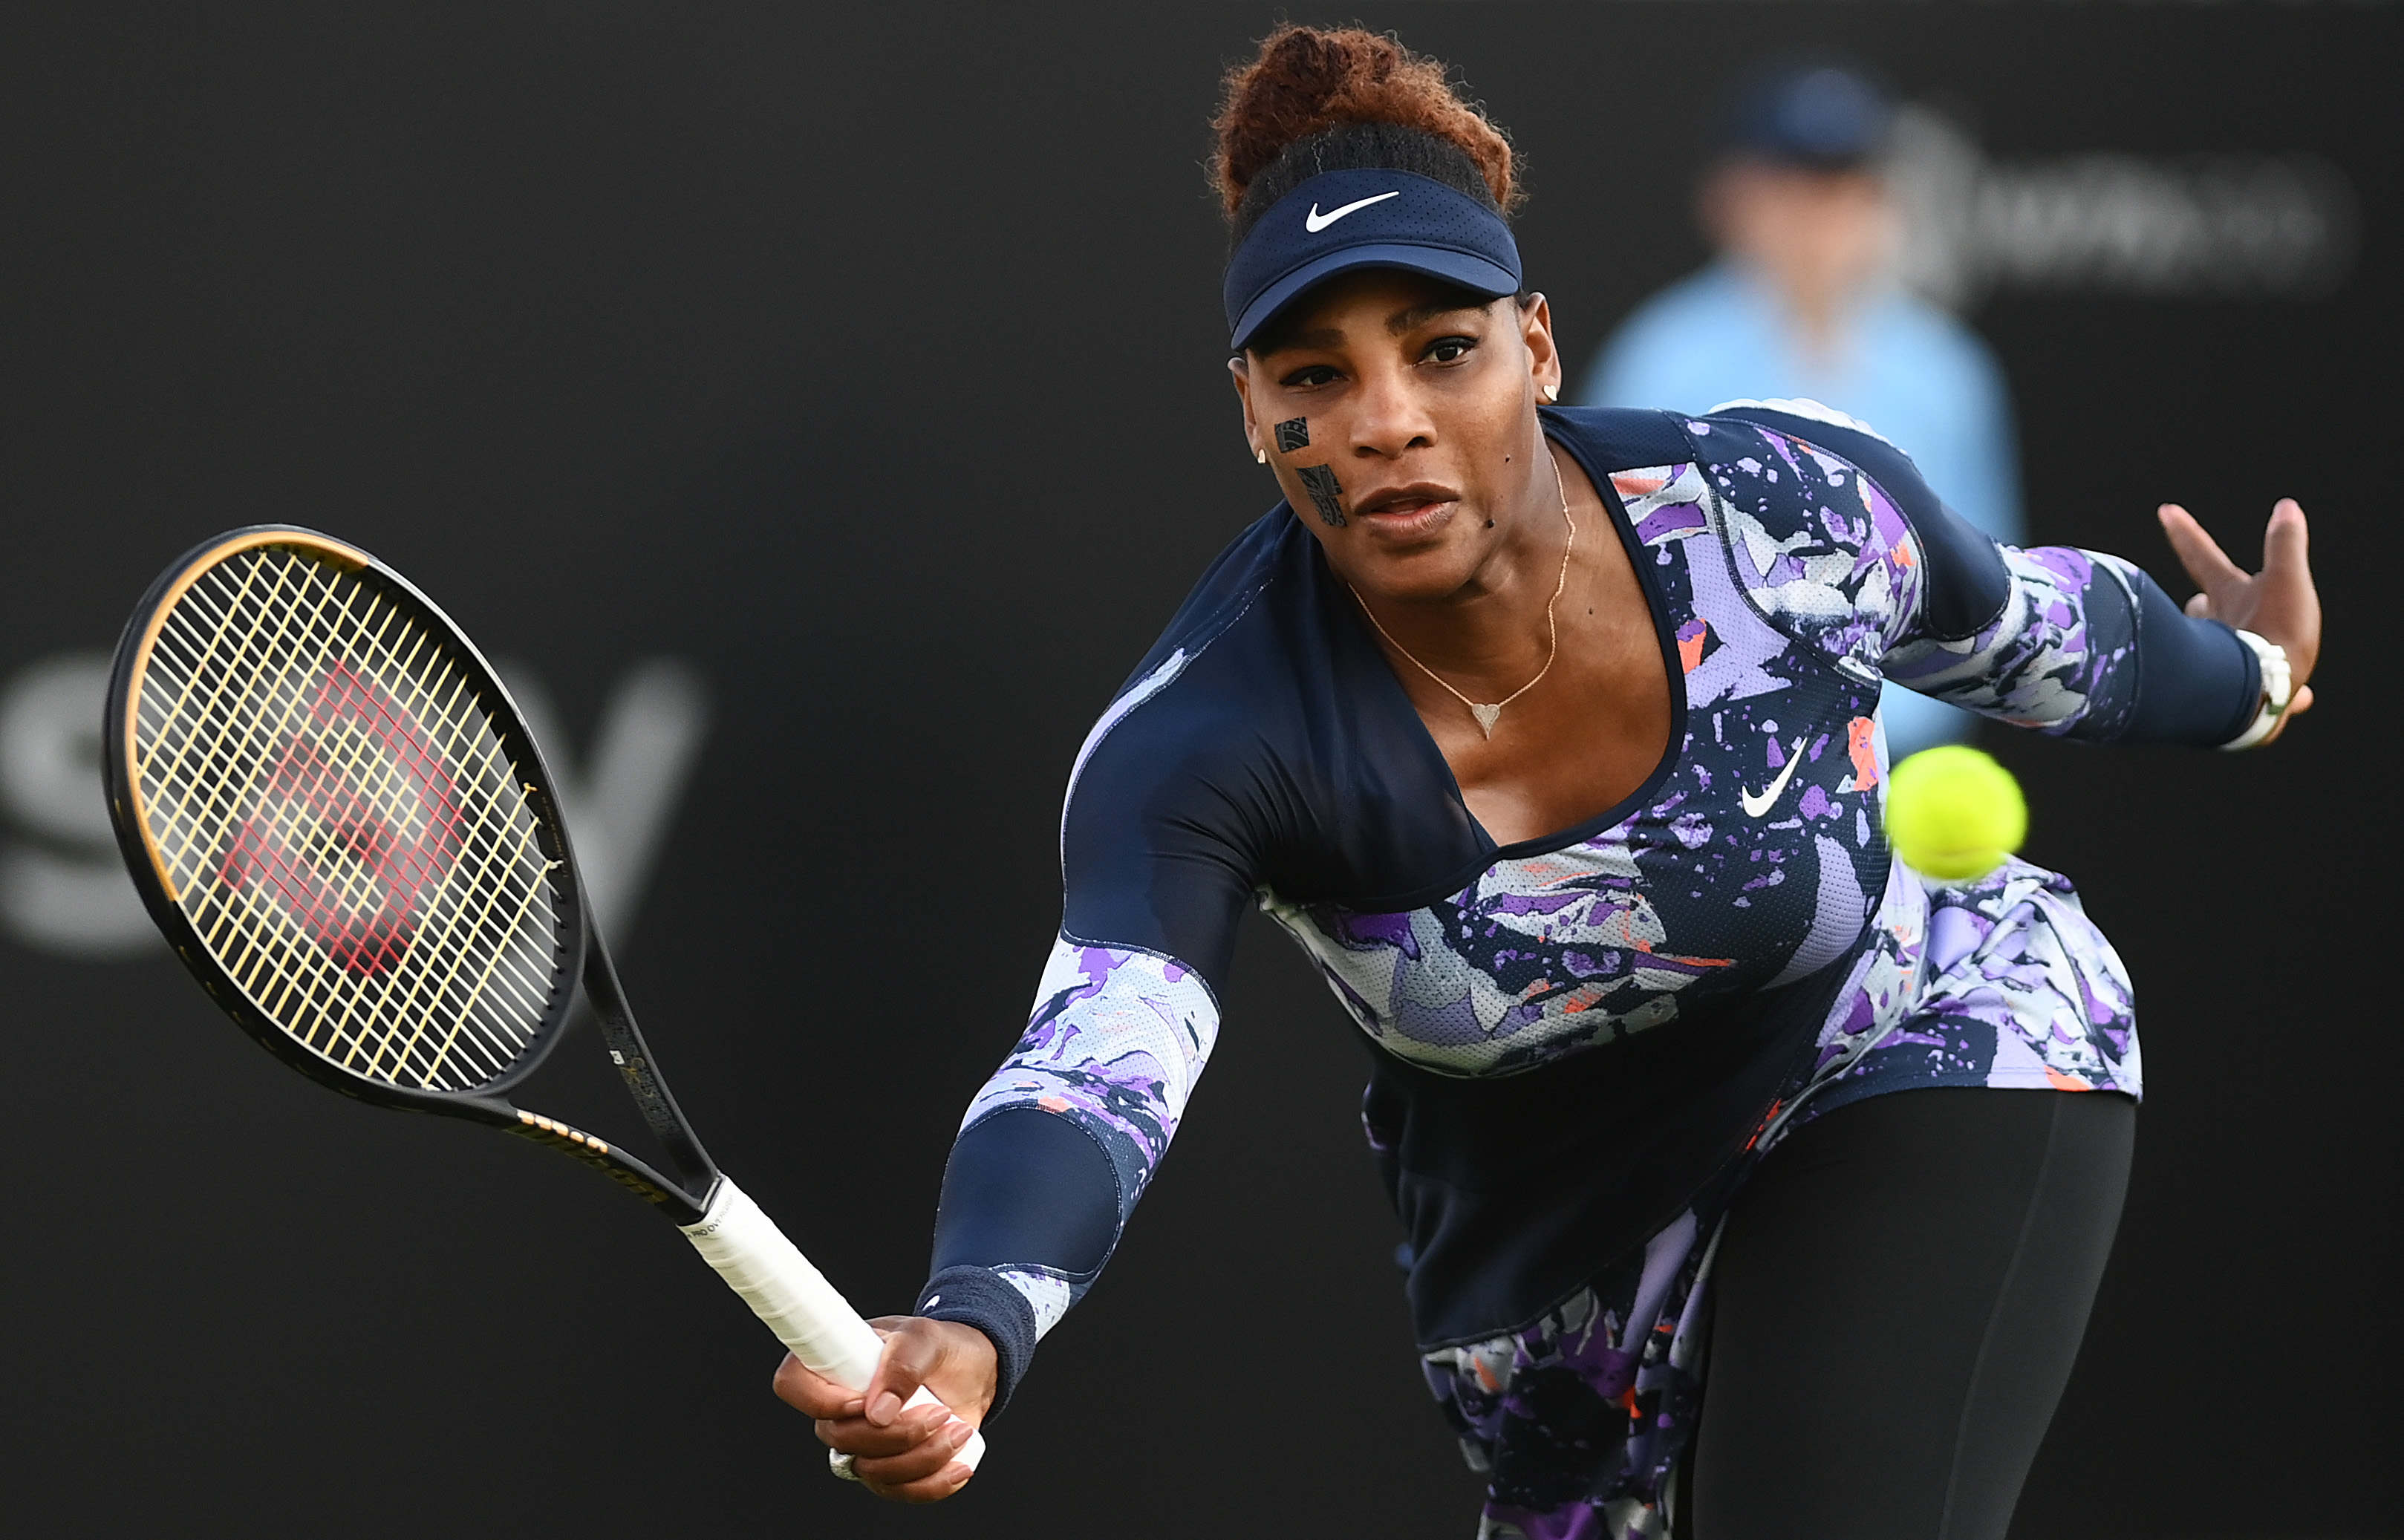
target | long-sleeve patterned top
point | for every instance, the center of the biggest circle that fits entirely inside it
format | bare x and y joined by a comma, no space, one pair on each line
1580,1036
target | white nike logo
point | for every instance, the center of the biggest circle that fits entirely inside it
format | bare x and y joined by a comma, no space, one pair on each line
1754,806
1315,222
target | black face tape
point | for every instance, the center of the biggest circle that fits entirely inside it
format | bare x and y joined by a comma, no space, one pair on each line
1320,482
1293,435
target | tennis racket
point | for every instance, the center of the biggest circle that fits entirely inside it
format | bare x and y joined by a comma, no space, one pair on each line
335,813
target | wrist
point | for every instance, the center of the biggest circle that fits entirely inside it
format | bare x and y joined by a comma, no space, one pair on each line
2277,690
976,1297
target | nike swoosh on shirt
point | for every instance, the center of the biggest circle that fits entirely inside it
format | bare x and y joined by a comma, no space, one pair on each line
1754,806
1315,222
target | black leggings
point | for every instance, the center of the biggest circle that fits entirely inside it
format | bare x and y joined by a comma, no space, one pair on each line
1898,1296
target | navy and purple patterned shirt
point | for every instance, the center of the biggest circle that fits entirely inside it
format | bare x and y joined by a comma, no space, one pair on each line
1581,1038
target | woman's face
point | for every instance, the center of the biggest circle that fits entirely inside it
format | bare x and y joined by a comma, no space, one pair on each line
1400,417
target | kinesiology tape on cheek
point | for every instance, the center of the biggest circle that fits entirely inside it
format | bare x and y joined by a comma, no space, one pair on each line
1321,482
1292,435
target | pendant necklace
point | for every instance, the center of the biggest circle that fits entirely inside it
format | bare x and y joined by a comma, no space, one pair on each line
1486,714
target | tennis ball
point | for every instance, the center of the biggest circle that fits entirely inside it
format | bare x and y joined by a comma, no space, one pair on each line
1954,813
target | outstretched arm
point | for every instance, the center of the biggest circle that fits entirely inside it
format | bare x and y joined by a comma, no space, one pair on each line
1849,544
1051,1157
1064,1138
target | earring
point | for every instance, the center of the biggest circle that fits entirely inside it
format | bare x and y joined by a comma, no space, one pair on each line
1550,393
1260,456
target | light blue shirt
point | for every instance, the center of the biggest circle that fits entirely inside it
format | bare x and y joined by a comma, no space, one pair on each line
1920,377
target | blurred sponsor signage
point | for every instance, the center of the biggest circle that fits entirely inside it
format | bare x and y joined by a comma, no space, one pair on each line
2278,227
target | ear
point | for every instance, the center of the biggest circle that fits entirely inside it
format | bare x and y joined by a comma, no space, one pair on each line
1544,356
1239,368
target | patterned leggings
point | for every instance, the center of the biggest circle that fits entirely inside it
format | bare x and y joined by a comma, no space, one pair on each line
1891,1307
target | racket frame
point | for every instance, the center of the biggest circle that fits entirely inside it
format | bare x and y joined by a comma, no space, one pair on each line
732,1233
685,1196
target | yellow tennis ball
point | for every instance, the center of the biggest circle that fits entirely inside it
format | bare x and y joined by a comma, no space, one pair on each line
1954,813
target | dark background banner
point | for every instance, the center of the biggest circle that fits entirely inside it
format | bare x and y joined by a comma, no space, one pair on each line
852,382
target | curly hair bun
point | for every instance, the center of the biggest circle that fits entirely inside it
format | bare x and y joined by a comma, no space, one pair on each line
1309,82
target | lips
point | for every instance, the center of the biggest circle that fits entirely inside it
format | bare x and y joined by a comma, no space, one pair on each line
1406,510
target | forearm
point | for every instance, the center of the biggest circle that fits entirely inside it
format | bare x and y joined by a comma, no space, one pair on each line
2086,646
1060,1144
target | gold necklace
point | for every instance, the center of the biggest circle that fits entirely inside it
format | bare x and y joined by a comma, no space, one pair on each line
1486,714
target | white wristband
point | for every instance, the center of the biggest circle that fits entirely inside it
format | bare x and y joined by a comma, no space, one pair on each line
2278,687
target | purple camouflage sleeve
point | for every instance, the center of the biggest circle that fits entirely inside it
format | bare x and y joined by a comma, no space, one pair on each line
1116,1041
2071,642
2061,657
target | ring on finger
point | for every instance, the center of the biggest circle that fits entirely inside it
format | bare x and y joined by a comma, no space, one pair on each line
839,1463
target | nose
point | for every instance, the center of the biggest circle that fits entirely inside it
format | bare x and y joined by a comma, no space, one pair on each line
1392,414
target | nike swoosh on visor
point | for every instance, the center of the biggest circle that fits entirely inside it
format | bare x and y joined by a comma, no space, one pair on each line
1315,222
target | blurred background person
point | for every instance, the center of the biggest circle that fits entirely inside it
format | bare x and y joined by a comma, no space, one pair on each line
1802,300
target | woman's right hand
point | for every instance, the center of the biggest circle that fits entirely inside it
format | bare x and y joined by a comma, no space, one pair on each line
907,1454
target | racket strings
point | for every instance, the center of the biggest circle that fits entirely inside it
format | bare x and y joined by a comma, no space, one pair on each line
300,883
373,953
337,817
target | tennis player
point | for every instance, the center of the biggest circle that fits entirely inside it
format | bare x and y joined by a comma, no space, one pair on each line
1551,737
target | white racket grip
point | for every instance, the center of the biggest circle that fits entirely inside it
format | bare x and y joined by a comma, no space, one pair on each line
739,1240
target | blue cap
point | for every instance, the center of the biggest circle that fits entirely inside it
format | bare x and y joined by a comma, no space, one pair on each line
1340,220
1812,115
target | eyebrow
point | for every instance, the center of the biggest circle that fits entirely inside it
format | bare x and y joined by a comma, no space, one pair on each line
1325,337
1403,321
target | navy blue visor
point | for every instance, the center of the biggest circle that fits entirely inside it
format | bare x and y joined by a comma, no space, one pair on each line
1340,220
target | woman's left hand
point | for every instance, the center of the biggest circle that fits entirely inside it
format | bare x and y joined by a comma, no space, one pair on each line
2277,604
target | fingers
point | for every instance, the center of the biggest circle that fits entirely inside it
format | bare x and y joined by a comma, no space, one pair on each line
911,1355
905,1433
907,1453
905,1438
928,1472
2295,707
914,1459
841,1423
803,1389
2287,559
2280,605
909,1358
2207,565
2288,610
2286,545
910,1457
916,1352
